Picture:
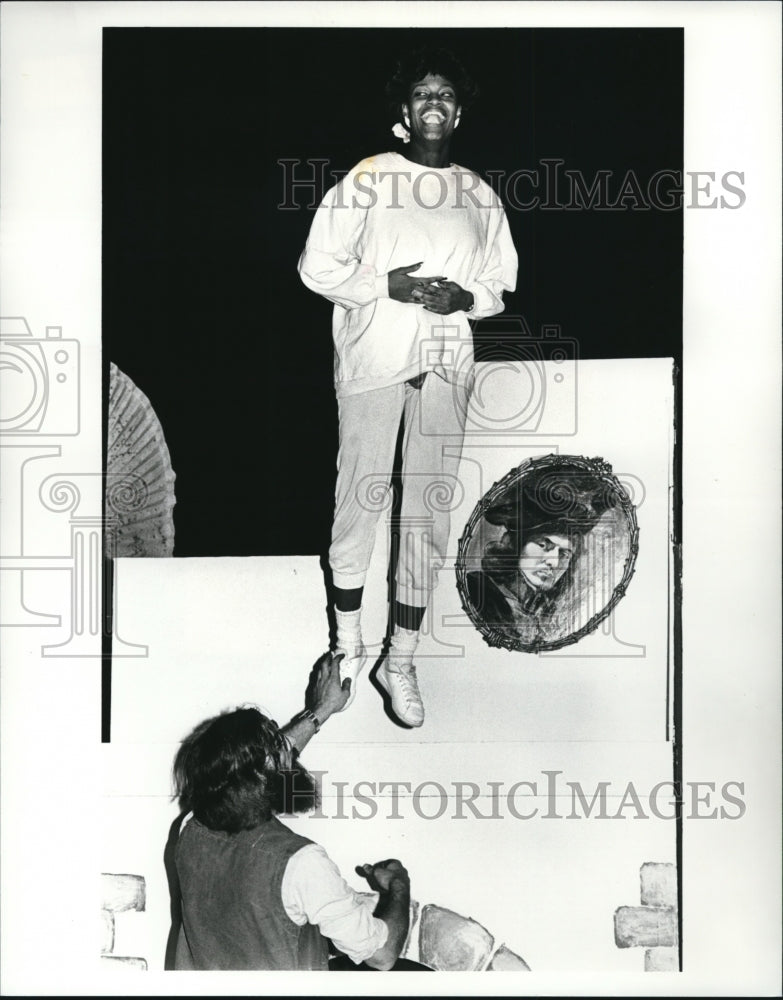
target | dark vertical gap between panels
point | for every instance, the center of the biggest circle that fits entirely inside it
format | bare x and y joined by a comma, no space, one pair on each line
677,706
107,568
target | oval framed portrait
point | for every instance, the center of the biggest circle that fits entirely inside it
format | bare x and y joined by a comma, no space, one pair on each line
547,553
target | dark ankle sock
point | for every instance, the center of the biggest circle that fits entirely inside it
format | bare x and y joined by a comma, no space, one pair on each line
348,600
408,616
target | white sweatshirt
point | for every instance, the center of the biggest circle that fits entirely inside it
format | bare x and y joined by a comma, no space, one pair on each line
389,212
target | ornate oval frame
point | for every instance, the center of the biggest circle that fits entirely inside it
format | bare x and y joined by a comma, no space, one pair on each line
600,471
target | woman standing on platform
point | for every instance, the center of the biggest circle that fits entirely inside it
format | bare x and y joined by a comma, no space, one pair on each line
407,248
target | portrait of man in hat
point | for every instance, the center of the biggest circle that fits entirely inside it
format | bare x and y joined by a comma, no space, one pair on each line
540,544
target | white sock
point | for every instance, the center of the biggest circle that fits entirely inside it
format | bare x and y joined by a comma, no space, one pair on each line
403,645
349,631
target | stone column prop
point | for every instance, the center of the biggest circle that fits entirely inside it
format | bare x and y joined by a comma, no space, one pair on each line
653,925
119,894
140,499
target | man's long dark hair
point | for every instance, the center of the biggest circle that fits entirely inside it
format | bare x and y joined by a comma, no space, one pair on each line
236,770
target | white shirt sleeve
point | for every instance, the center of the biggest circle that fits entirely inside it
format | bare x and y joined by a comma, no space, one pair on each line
330,263
498,272
314,891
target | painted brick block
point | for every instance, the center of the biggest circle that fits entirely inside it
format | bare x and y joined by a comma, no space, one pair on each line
661,960
107,932
645,926
118,962
449,942
505,960
658,884
122,892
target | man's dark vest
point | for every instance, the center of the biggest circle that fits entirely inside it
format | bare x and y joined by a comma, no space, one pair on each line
232,911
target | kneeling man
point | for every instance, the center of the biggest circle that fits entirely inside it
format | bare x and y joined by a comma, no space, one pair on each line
254,894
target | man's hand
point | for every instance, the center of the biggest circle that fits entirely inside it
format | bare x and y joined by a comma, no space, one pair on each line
403,288
329,693
390,880
447,297
386,876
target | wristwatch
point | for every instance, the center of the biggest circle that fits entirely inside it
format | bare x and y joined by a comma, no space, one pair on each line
310,717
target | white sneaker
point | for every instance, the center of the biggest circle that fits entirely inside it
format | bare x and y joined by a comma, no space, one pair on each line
351,667
402,687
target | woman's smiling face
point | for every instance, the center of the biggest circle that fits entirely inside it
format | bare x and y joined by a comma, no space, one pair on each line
432,110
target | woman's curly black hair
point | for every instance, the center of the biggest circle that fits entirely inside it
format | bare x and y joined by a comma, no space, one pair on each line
415,65
236,770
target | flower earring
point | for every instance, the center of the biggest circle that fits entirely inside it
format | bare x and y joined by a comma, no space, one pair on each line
401,131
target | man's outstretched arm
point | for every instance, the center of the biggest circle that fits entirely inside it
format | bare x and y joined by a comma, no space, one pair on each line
330,694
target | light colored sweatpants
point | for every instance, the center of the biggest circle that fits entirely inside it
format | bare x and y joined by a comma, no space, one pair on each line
434,424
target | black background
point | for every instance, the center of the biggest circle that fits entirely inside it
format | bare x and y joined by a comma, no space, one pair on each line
202,304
